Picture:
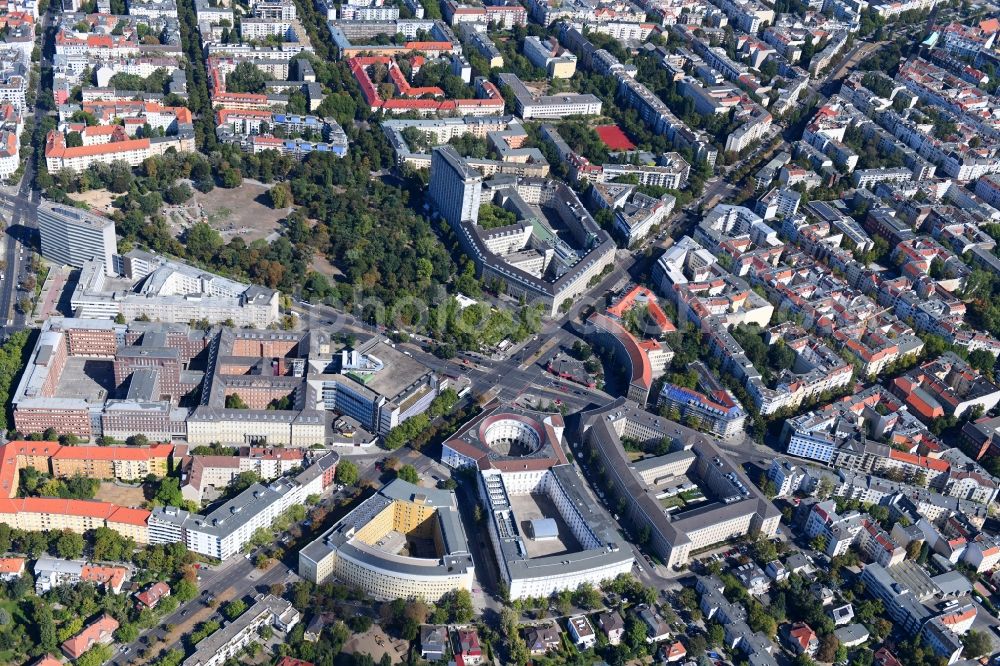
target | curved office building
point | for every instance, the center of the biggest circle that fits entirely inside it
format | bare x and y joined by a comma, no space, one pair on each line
403,542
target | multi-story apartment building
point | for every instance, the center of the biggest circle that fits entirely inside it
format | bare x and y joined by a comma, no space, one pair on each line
504,16
59,156
226,530
198,472
988,188
718,413
474,36
14,65
838,532
550,56
37,514
740,508
229,641
671,172
750,16
636,214
645,360
51,573
516,254
456,189
72,236
495,444
946,386
124,463
378,386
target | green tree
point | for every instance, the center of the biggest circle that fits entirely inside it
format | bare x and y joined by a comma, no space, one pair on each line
185,590
492,216
828,645
824,489
459,604
69,545
45,625
586,596
408,473
234,609
234,401
246,78
242,481
281,195
983,361
201,242
126,632
976,643
169,492
764,551
347,473
69,628
95,656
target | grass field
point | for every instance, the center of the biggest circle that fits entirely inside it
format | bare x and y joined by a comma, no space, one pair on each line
670,502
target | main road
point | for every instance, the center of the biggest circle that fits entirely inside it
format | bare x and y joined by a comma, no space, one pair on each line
236,572
21,204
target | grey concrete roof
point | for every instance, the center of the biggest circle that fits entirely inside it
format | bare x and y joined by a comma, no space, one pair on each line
673,530
340,537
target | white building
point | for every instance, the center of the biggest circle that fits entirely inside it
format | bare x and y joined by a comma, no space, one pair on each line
786,477
364,549
169,291
230,640
225,531
73,237
582,632
455,187
529,105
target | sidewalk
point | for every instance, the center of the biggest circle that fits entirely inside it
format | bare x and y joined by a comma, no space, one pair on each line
48,298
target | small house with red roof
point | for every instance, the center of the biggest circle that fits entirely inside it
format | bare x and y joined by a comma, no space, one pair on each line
672,652
47,660
883,657
802,639
11,568
291,661
151,596
96,633
468,652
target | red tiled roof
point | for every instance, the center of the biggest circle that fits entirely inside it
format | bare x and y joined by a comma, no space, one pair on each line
48,660
429,46
112,577
152,595
919,461
90,636
642,373
802,634
223,114
129,516
628,301
55,146
11,565
113,452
